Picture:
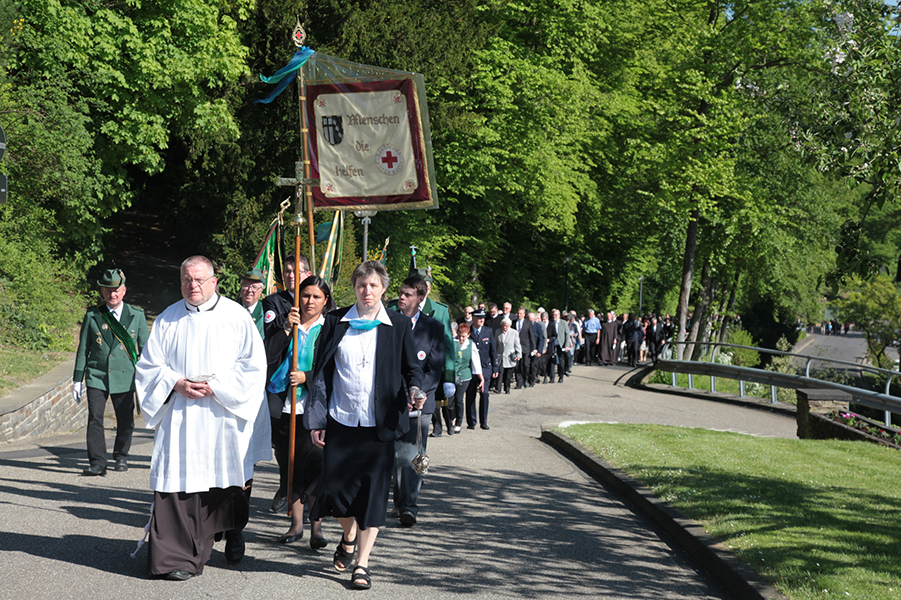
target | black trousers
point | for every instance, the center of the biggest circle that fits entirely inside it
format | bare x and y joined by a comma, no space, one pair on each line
560,366
124,405
591,346
505,378
634,350
523,371
536,368
471,393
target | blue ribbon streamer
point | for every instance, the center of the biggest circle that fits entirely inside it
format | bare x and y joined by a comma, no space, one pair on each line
284,76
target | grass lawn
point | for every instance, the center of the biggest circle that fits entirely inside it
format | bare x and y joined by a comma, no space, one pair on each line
820,519
18,366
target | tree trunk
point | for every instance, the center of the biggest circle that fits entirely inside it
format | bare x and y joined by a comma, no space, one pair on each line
730,308
699,315
691,245
710,286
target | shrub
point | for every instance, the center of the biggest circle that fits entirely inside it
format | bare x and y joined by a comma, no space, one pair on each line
740,356
38,307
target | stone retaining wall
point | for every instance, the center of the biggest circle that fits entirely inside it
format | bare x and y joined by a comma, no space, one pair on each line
42,407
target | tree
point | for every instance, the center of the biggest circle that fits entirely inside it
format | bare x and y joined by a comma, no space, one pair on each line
875,308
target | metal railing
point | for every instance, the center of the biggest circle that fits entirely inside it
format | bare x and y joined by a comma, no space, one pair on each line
880,401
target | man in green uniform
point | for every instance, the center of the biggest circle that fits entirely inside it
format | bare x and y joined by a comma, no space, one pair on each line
249,296
112,336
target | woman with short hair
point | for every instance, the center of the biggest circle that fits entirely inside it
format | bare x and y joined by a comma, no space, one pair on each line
365,381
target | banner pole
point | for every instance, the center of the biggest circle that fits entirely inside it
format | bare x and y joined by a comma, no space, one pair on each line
305,154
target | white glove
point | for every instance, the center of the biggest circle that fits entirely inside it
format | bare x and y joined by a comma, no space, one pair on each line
449,390
77,390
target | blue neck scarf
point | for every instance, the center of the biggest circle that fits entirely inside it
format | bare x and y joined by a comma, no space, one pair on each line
364,324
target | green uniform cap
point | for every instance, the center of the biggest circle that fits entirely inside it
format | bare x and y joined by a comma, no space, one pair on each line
112,278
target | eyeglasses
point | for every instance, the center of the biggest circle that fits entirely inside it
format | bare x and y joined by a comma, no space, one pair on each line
252,286
188,282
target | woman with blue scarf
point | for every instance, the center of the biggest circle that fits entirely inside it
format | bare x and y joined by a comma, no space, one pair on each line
315,297
365,379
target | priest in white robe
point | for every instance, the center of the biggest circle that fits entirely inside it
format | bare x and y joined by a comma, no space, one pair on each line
200,383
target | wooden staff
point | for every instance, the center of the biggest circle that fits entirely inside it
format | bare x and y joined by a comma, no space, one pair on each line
304,193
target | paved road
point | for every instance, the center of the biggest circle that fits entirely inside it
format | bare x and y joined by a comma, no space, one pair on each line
503,516
850,347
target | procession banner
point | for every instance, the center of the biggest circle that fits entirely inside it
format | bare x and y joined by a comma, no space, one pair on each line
369,140
269,259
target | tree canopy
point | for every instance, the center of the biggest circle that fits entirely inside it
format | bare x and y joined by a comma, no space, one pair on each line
726,153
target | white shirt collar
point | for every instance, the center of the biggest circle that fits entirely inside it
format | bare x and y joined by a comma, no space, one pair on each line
251,308
208,305
117,312
382,317
318,321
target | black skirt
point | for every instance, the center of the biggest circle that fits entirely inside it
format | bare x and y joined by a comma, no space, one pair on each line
356,475
307,456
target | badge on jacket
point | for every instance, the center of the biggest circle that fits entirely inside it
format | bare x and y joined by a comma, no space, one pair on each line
421,355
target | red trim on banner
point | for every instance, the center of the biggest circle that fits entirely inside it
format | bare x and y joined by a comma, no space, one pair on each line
407,88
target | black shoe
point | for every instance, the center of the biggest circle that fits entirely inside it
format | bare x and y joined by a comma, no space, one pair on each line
560,380
317,542
234,546
518,387
121,465
470,427
506,391
407,519
433,434
95,470
290,539
485,427
178,575
450,431
279,502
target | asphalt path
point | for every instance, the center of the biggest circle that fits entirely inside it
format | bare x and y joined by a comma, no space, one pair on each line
503,515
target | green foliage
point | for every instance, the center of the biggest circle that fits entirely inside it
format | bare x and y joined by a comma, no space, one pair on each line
784,364
875,308
742,357
38,309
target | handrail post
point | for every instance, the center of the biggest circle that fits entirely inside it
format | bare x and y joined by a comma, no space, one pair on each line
773,394
741,388
807,367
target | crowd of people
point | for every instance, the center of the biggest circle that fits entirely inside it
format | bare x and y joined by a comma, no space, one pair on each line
345,399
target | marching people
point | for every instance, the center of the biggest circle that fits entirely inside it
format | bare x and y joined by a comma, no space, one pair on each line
483,338
538,349
200,383
509,353
428,338
278,323
467,368
261,443
527,342
365,382
591,333
560,346
249,296
112,336
315,298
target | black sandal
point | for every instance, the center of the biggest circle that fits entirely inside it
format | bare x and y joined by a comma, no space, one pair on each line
342,555
365,578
